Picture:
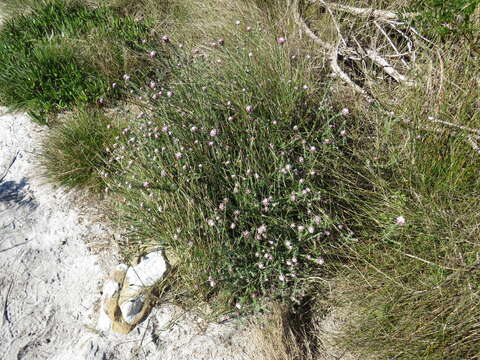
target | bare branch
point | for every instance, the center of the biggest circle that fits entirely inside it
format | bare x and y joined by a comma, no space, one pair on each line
390,42
366,12
449,124
331,49
385,66
473,143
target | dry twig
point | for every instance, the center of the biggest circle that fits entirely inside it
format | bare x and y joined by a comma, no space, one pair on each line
367,12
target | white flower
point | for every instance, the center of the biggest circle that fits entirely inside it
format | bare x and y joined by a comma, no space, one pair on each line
262,229
214,132
400,220
345,112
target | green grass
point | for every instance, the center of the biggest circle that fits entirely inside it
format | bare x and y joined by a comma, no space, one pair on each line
75,153
49,58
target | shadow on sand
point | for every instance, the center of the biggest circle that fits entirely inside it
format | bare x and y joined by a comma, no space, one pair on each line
14,192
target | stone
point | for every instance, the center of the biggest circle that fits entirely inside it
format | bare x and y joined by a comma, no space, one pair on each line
125,302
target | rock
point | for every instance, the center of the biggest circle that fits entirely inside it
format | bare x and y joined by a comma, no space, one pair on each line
132,307
125,303
149,270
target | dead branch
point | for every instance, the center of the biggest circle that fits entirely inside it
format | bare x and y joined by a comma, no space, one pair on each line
331,49
473,143
385,66
367,12
351,54
449,124
9,166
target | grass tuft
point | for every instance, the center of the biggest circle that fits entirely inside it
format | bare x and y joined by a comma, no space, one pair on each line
74,153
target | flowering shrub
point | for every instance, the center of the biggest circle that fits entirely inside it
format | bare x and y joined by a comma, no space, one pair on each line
229,166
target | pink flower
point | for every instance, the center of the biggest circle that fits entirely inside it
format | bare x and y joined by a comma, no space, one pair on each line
214,132
400,220
178,155
345,112
152,54
281,40
145,184
262,229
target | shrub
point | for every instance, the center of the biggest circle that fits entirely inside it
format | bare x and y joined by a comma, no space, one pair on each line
49,58
448,17
228,169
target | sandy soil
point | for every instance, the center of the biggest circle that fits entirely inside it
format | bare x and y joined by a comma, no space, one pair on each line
50,282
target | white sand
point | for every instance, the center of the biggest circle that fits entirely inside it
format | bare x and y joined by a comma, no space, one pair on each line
50,283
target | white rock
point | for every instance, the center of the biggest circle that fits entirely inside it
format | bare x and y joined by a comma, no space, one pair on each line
104,323
110,288
150,269
131,308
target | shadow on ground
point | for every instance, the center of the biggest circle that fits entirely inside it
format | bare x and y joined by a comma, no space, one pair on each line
16,192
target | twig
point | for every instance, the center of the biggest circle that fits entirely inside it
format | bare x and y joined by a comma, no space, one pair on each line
5,305
446,123
474,143
343,75
9,166
333,50
385,66
367,12
390,42
14,246
428,262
